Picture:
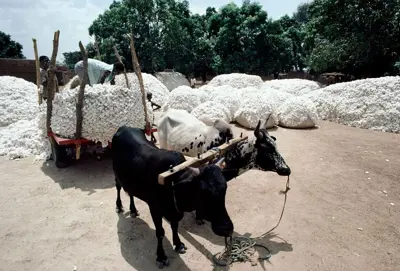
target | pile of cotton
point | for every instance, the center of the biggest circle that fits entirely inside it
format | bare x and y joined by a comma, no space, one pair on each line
372,103
236,80
105,109
228,96
73,83
26,138
183,97
297,112
255,106
210,111
297,87
18,100
172,80
151,84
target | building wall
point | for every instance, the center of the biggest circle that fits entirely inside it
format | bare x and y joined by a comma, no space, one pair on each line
26,69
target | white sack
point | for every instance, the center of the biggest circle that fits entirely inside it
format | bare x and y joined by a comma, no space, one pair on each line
172,80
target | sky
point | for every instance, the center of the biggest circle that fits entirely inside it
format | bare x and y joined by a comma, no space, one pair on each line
39,19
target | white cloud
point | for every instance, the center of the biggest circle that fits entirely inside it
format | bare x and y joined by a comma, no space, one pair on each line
27,19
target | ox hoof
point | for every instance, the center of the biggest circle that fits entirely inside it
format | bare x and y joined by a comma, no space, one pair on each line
135,214
200,222
162,264
119,210
181,249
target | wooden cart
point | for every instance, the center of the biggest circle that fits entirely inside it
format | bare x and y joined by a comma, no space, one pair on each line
59,144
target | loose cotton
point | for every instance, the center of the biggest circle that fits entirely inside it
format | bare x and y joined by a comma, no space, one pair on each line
151,84
210,111
372,103
236,80
105,109
18,100
183,98
253,108
228,96
297,87
297,112
26,138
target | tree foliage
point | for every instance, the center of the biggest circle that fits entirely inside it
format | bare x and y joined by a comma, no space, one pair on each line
9,48
351,36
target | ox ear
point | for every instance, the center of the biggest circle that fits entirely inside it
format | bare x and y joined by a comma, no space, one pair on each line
274,138
257,132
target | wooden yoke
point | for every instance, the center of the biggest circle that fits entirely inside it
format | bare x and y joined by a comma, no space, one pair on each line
50,81
79,104
196,162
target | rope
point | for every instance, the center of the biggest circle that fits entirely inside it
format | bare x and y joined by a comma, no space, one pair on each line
241,248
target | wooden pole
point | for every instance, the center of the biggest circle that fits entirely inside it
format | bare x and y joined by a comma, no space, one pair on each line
138,72
96,46
120,60
50,80
38,83
79,104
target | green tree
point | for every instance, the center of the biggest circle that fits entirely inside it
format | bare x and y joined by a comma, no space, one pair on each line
10,48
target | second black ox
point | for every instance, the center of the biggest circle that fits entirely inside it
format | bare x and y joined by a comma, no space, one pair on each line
137,162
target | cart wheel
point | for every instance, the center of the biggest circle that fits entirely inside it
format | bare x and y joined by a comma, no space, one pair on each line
59,154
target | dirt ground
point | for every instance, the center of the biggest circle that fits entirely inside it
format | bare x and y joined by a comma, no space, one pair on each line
337,215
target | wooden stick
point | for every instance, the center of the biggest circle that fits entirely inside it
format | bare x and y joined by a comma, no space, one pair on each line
96,46
138,72
206,157
120,60
37,64
79,104
50,80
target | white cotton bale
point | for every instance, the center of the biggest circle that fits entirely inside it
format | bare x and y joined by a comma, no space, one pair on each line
184,98
18,100
105,109
295,86
236,80
297,112
210,111
172,80
256,107
151,84
372,103
228,96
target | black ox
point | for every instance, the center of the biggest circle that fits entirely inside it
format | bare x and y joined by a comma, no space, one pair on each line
137,162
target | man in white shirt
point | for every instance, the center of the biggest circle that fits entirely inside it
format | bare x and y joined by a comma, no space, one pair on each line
193,82
98,71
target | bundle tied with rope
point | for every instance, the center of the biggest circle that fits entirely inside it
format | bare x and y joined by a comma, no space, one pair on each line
241,248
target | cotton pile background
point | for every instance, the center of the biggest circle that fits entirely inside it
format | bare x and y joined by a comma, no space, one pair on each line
18,100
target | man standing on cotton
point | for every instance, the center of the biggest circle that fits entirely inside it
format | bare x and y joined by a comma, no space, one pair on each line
98,71
44,66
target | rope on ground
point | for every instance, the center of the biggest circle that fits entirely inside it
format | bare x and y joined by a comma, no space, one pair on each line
241,248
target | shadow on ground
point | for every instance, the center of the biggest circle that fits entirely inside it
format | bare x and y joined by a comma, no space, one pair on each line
139,245
86,174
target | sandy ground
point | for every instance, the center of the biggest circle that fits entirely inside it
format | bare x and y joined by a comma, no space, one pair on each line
337,216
